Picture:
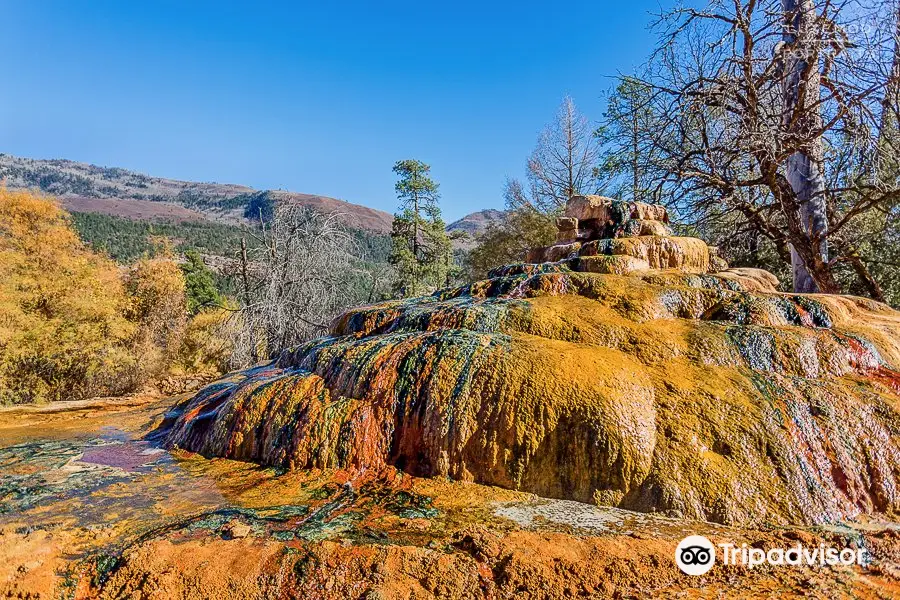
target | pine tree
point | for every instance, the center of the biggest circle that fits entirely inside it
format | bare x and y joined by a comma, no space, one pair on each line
627,162
200,283
421,250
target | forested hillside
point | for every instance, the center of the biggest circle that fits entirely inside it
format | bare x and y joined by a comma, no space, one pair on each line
84,187
125,240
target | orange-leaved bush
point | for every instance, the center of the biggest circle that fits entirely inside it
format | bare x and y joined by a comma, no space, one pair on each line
73,324
157,303
63,330
168,340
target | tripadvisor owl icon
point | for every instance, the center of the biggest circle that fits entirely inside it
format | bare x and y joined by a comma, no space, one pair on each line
695,555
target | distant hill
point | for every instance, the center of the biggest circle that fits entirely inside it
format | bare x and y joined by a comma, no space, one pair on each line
119,192
207,212
476,222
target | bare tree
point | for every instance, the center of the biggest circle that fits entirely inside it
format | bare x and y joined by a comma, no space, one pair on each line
804,167
293,280
562,164
771,112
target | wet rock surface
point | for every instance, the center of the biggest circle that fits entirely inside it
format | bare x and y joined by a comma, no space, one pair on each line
622,366
698,395
552,431
90,509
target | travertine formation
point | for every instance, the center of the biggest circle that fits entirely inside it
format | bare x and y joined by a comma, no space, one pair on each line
615,367
612,236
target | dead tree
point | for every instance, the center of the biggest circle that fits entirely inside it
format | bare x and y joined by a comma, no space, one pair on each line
293,280
563,161
773,96
804,168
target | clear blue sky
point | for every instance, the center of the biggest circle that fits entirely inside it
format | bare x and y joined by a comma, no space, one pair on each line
313,97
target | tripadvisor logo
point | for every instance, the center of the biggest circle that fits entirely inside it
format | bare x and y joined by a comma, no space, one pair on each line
695,555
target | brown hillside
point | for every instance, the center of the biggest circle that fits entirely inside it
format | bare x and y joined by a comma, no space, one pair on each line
84,187
355,215
140,210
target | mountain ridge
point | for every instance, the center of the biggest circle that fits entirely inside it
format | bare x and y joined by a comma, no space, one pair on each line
476,222
115,191
84,187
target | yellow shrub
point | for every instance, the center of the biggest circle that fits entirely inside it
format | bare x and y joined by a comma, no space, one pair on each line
157,304
63,334
204,349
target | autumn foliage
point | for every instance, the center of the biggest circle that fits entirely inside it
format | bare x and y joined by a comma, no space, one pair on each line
73,324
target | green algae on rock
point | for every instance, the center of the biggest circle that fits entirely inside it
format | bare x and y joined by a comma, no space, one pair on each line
705,395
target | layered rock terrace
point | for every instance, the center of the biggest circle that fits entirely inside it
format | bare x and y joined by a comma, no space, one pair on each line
622,366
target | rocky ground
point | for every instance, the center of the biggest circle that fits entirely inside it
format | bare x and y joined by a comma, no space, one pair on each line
91,509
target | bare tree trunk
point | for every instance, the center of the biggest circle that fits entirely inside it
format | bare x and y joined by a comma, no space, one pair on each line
805,174
636,176
862,271
804,168
889,130
570,147
245,281
892,93
415,242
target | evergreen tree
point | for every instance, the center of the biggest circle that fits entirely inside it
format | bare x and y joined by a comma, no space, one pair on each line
627,163
421,251
200,283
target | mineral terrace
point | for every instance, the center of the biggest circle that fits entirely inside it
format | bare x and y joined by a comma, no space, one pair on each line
623,367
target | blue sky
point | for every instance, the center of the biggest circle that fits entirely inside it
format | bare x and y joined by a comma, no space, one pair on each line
312,97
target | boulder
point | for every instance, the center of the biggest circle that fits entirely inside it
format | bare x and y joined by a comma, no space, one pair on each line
649,212
592,207
717,264
535,255
690,255
650,227
585,208
566,230
566,223
567,237
552,253
599,216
